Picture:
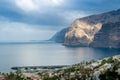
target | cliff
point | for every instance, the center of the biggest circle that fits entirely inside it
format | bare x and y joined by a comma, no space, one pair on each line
81,33
108,36
101,30
59,37
83,30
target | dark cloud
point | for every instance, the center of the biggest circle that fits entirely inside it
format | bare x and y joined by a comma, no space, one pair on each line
94,6
54,17
15,23
11,12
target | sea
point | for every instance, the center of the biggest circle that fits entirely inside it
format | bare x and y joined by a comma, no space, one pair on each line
46,54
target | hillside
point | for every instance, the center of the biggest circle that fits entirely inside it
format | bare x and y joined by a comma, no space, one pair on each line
59,37
82,32
108,36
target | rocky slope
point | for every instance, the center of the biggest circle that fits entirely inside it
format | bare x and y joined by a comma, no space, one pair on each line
108,36
91,31
82,31
59,37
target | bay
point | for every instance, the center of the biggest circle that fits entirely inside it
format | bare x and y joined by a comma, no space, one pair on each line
43,54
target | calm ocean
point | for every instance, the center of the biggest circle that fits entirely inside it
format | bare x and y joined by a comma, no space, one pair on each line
41,54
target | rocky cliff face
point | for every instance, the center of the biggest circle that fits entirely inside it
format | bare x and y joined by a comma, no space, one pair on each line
108,36
100,30
83,30
59,37
81,33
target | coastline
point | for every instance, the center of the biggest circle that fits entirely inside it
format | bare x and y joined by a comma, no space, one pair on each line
86,70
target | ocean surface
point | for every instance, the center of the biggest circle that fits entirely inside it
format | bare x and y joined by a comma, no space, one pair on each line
42,54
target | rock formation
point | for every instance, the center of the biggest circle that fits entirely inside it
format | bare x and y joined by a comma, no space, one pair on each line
59,36
108,36
100,30
82,31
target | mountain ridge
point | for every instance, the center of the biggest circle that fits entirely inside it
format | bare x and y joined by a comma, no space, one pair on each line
83,30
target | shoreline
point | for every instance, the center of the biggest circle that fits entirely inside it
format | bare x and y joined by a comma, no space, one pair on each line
83,70
37,68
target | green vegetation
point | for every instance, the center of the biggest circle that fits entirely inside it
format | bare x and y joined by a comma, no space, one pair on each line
109,75
81,71
109,60
75,72
15,76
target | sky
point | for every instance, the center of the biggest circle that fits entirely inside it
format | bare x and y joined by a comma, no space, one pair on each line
25,20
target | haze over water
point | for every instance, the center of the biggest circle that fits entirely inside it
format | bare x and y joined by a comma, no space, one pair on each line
41,54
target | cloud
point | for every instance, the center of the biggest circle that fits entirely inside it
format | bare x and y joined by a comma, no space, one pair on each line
26,5
94,6
15,31
54,13
30,19
70,16
37,5
57,2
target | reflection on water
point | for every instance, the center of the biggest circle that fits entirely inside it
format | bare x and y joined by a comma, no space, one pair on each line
47,54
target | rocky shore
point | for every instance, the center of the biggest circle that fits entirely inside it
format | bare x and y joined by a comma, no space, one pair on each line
105,69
